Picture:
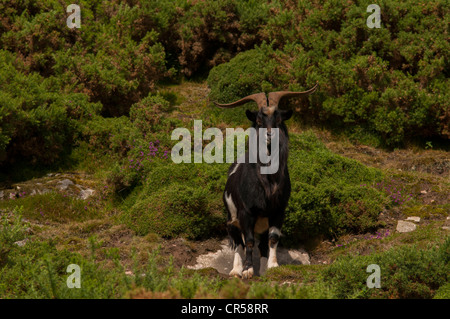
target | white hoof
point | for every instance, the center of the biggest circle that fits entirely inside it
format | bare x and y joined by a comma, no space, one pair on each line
272,264
247,274
236,273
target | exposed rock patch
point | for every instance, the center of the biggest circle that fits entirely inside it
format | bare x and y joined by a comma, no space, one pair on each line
405,226
222,259
72,184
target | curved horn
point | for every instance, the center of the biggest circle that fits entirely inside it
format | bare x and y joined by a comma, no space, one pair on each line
259,98
275,97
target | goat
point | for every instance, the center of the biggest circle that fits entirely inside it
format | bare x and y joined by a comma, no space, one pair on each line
256,202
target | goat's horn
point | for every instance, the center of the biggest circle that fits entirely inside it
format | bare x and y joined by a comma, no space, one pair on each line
259,98
275,97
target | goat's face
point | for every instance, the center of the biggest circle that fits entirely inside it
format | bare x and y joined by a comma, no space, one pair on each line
269,121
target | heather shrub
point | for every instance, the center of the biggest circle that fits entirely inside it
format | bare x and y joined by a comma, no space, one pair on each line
39,270
171,204
389,82
326,196
177,210
406,272
148,114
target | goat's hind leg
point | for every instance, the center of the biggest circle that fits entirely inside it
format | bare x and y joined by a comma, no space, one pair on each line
263,250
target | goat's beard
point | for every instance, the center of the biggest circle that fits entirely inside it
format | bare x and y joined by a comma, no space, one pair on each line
269,151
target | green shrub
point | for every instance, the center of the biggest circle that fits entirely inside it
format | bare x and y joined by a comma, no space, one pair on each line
171,203
148,114
38,122
388,82
12,226
406,272
39,270
327,197
54,206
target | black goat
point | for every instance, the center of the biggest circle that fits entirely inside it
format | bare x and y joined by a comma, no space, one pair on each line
256,202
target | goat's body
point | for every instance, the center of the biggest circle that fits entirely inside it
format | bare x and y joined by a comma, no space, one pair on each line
256,204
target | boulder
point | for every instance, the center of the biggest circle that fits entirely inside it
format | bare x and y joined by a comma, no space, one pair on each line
405,227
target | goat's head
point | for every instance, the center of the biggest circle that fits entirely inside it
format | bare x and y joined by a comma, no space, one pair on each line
268,115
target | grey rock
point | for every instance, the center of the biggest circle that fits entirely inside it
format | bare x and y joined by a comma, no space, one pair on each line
64,184
405,227
21,243
86,193
222,260
413,218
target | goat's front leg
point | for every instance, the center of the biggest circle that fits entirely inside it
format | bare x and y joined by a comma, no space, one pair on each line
249,243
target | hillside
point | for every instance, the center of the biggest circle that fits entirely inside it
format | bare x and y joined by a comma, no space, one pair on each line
87,177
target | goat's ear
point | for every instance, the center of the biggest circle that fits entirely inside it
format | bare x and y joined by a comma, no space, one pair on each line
286,115
251,115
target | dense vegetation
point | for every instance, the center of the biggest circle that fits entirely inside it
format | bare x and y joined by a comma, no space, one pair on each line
99,99
391,83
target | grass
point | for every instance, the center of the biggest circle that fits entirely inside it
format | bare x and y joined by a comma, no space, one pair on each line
413,265
56,207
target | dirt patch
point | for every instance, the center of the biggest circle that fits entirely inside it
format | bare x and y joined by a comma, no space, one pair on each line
185,252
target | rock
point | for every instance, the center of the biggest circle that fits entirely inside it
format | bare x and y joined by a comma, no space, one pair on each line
423,192
405,227
1,195
222,260
86,193
414,219
44,191
445,227
21,243
62,185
